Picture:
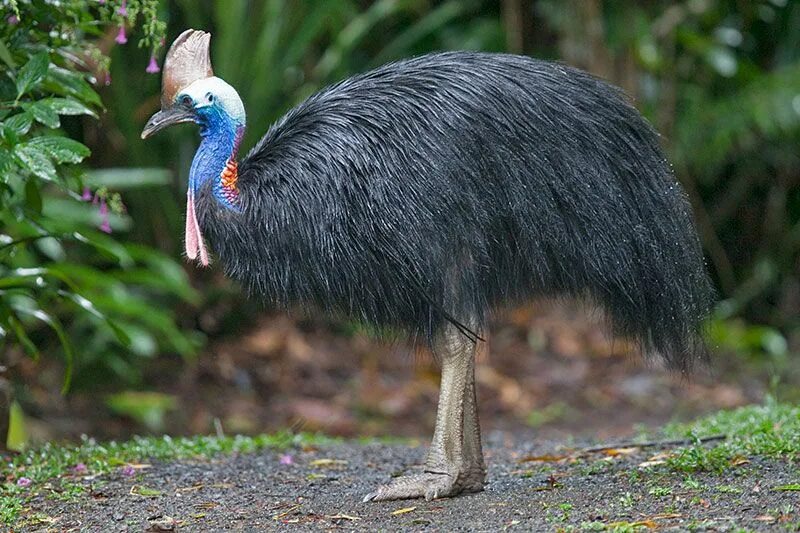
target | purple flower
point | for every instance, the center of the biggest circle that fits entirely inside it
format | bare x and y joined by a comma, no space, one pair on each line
80,468
101,2
107,81
123,9
128,470
87,194
121,37
24,482
152,67
286,459
13,20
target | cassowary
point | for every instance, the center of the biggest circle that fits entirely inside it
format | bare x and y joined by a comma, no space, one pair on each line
423,194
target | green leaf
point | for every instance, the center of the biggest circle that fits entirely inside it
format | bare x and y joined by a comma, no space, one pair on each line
22,337
17,436
33,198
5,55
148,408
67,106
5,162
62,81
56,326
43,114
61,149
128,178
20,123
32,73
89,306
36,161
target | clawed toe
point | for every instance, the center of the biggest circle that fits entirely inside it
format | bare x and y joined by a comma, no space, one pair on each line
427,485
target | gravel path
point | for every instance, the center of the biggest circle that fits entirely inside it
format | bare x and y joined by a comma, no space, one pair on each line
323,487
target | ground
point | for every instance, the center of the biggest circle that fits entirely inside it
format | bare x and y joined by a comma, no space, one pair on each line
745,477
553,384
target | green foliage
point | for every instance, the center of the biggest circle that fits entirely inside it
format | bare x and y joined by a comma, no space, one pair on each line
100,299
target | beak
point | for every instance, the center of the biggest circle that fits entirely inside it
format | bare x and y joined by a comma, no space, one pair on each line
166,117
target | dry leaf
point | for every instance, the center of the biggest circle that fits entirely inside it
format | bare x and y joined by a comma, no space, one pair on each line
328,462
341,516
290,510
404,510
651,463
613,452
543,458
766,518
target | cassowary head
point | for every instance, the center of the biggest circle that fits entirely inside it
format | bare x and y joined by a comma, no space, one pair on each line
191,93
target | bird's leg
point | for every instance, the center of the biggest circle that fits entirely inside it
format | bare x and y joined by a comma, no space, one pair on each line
455,459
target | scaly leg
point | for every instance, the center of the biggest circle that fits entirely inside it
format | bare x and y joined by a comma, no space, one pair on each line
455,459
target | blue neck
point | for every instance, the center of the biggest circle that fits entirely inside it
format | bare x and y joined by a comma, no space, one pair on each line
220,142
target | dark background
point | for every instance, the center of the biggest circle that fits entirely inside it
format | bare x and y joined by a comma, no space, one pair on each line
719,79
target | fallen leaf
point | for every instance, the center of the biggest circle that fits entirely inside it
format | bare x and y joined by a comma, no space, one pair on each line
328,462
162,523
766,518
205,505
290,510
543,458
404,510
196,486
665,516
613,452
141,490
647,464
649,524
739,460
341,516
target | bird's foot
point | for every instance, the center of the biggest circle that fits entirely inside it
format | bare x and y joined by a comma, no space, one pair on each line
428,485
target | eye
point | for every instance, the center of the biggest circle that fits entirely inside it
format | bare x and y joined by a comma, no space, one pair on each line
187,101
209,97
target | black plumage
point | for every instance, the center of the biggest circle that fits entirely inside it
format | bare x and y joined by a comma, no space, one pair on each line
434,189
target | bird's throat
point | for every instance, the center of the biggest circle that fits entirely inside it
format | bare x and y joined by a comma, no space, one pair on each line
214,172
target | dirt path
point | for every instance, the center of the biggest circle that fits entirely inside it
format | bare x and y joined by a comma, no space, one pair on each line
322,489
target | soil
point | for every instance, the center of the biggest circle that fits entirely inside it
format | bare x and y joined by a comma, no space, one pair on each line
529,489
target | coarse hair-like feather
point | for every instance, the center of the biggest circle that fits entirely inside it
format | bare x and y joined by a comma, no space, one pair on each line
435,189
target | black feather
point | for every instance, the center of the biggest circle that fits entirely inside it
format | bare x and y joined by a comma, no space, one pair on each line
434,189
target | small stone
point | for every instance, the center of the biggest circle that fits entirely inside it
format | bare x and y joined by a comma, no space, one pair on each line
118,516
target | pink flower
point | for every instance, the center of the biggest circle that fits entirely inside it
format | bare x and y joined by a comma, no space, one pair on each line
152,67
128,470
13,20
24,482
104,226
80,468
107,81
121,37
286,459
101,2
123,9
87,194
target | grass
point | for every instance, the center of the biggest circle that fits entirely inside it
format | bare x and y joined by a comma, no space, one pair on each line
33,471
769,430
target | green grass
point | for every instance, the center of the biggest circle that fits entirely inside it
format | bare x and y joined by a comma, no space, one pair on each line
769,430
52,462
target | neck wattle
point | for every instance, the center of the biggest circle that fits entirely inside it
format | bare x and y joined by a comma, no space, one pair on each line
214,166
